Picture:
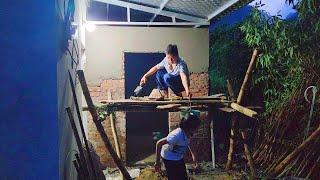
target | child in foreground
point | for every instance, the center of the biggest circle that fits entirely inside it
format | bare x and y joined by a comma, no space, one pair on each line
173,147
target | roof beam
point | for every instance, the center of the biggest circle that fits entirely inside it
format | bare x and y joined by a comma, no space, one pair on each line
162,5
154,10
222,8
124,23
128,14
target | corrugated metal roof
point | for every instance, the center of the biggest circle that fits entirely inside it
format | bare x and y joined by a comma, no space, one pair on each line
193,12
198,8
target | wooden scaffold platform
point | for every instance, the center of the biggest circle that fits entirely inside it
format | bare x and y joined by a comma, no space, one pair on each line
211,104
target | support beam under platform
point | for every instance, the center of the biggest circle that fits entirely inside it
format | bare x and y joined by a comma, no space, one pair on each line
198,103
134,105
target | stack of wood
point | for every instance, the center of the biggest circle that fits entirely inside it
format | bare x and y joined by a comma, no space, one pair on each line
286,149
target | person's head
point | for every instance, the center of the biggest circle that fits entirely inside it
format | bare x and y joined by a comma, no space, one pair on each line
172,53
190,124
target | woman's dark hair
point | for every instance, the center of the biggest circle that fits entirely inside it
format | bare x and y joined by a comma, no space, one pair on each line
190,122
172,49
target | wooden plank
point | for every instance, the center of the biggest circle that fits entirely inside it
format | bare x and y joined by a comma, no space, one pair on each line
244,110
155,109
81,168
183,102
168,106
161,108
81,125
227,109
76,166
82,162
99,126
211,97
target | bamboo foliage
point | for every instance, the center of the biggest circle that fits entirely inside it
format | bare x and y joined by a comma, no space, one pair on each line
290,62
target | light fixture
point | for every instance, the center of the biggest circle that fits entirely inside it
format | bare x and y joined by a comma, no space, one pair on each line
90,27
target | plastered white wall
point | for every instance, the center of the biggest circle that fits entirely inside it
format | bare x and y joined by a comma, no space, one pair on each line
106,45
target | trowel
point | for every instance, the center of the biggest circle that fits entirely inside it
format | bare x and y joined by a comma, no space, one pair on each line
139,91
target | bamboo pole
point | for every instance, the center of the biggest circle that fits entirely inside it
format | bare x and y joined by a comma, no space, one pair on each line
114,130
244,85
292,155
247,153
115,136
230,90
232,131
99,126
314,168
234,118
231,147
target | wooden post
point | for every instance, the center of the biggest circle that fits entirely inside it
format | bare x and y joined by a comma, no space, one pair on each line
113,128
234,117
81,125
78,141
233,127
247,153
247,77
231,144
230,90
278,169
99,126
114,133
211,113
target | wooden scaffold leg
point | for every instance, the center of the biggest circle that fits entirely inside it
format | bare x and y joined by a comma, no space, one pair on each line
99,126
234,117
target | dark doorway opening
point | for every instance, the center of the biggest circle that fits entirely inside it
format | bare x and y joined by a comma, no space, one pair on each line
140,126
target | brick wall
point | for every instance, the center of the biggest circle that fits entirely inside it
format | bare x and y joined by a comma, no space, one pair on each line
200,142
116,89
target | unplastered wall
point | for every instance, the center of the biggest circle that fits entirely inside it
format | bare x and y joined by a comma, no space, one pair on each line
106,45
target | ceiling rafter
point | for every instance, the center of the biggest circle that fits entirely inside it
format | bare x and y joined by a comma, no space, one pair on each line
221,9
125,23
154,10
162,5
